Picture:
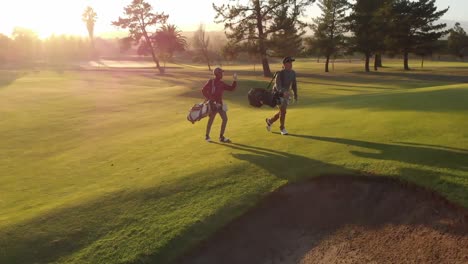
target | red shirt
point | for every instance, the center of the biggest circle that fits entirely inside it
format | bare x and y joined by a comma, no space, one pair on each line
216,94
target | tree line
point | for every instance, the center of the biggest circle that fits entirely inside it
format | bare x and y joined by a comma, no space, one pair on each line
369,27
261,29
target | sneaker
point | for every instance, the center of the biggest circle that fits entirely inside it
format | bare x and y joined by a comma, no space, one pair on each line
224,140
284,132
268,127
208,139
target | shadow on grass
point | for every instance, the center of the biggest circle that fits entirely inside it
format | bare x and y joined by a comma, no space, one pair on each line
8,77
166,220
373,78
286,165
347,85
444,100
432,76
110,227
419,155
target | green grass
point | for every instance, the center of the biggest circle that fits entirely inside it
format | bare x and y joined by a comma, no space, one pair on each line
102,167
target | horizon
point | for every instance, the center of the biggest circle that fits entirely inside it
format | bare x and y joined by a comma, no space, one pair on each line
42,18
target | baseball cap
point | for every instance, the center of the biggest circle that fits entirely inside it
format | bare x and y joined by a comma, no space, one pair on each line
217,70
288,59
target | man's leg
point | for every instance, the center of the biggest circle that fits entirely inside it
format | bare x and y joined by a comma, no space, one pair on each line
210,123
224,123
283,115
274,118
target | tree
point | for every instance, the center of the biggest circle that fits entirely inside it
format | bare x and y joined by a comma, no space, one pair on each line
139,20
168,40
427,49
230,51
89,17
413,25
201,44
368,28
288,40
329,28
253,20
25,45
312,47
458,41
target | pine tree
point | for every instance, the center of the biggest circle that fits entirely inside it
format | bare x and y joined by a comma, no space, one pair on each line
368,27
458,41
329,28
413,25
288,40
253,21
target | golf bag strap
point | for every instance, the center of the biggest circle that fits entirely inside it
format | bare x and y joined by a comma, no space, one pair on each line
268,87
213,87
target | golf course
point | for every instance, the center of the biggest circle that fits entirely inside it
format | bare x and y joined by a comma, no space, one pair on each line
100,165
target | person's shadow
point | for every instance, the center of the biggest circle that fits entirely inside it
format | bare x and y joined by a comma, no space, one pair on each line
286,165
428,155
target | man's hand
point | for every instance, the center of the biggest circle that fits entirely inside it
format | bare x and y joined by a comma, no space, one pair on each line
234,77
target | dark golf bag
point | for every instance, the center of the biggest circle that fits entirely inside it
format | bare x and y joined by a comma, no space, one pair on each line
264,96
261,96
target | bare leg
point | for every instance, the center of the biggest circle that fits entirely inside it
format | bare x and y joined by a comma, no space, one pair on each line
281,115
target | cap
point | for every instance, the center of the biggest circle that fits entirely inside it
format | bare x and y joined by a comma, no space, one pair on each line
288,59
217,71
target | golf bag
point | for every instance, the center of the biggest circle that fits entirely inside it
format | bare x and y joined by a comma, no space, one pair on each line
264,96
198,112
261,96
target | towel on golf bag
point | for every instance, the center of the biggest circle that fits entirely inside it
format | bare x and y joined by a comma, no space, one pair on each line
261,96
198,111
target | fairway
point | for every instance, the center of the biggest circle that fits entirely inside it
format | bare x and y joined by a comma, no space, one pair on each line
101,165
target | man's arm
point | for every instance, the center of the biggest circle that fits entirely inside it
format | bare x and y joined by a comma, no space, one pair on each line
294,87
231,87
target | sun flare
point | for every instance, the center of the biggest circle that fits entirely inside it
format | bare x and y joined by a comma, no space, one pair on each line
45,18
59,17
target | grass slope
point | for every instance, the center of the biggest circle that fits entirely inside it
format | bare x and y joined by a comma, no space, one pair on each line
102,167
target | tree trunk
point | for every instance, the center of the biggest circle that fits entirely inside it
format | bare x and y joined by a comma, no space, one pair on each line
405,61
266,66
155,59
367,62
326,63
261,40
207,57
376,68
377,61
422,61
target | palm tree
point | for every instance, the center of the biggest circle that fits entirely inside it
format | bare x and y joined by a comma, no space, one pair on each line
89,17
168,40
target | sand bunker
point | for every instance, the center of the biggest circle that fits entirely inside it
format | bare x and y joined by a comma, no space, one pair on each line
343,220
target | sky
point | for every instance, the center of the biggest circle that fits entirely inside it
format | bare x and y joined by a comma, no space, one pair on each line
47,17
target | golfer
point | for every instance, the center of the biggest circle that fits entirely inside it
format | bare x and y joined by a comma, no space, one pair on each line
285,80
213,92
